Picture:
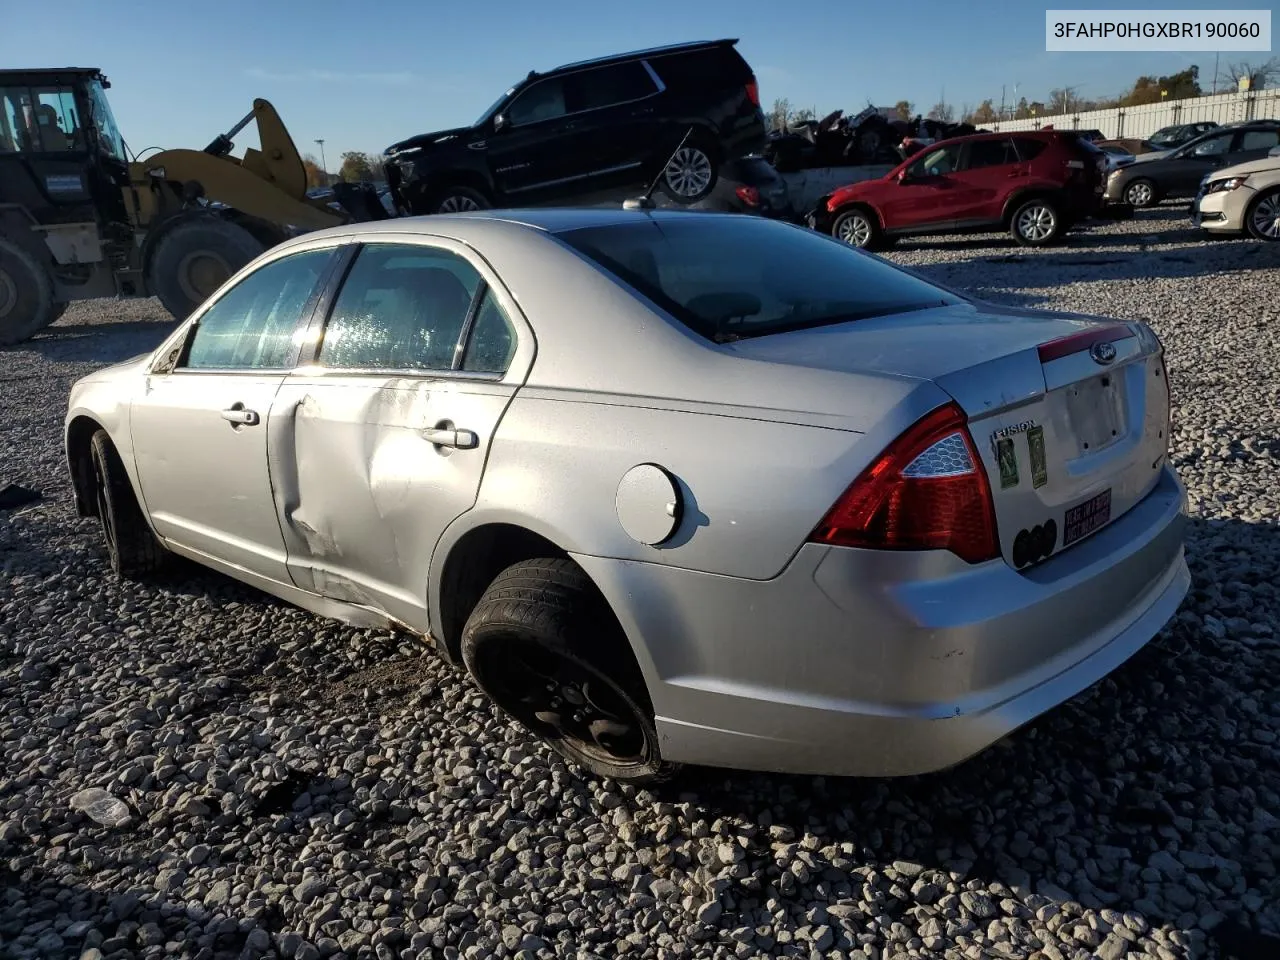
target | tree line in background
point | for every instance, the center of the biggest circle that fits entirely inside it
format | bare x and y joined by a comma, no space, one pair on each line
1145,90
356,167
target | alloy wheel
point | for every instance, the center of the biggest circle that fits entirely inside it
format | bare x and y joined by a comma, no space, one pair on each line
563,698
1140,194
689,172
1036,223
1266,217
855,230
457,203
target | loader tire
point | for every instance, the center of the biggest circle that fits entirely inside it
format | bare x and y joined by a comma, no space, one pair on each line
26,295
195,258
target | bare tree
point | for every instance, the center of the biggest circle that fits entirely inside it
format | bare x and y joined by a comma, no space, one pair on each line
942,111
1064,100
780,115
1259,75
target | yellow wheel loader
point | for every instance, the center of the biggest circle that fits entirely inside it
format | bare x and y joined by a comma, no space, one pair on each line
80,220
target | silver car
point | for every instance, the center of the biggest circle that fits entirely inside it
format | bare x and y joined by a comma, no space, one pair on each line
672,487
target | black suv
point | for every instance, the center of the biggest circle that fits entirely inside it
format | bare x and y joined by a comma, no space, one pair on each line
591,131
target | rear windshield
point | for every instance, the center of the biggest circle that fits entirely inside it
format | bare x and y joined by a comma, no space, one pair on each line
729,278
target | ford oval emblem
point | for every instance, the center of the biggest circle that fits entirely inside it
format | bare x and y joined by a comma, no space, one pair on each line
1103,352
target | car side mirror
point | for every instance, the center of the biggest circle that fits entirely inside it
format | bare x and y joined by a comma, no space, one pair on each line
499,122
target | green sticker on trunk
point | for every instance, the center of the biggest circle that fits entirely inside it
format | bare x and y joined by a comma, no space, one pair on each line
1007,458
1039,468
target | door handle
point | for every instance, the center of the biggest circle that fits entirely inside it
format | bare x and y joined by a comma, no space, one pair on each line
239,415
447,437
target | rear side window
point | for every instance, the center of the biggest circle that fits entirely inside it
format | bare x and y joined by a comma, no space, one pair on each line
1259,139
605,86
991,153
728,278
253,326
401,308
716,68
1028,147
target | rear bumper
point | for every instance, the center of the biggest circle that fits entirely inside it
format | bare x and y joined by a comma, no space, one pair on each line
864,663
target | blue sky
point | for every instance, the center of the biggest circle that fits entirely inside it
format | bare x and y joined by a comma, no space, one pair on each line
363,75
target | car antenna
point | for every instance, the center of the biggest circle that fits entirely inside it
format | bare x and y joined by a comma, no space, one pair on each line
645,200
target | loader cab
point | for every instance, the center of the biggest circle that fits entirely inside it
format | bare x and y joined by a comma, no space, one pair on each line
62,159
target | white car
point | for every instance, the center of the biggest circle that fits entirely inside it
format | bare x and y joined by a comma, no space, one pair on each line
1241,199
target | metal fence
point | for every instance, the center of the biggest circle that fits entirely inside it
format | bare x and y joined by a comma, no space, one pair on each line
1141,122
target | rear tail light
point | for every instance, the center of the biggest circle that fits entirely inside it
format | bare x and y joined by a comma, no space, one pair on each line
927,491
753,93
749,195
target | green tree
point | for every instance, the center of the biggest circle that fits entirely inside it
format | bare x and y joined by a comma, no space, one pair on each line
315,176
356,167
985,113
1022,110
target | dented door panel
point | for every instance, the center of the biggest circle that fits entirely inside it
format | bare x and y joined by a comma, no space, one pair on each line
362,492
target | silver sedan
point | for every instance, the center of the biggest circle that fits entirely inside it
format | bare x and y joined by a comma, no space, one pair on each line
672,487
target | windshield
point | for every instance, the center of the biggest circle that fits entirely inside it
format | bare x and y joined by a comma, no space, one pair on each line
493,108
109,139
728,278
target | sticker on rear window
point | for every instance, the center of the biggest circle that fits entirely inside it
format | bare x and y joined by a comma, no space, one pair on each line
1007,458
1035,446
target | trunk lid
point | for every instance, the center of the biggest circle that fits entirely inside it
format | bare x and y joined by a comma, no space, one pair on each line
1069,414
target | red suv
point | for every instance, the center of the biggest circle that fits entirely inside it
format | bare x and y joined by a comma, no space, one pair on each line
1034,183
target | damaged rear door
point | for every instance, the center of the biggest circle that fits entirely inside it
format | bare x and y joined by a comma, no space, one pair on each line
381,443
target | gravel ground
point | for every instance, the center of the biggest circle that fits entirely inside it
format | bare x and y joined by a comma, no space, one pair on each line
295,788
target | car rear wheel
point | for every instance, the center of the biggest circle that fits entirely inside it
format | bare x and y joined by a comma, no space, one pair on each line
690,174
544,646
1036,223
1263,217
858,228
132,549
460,200
1140,193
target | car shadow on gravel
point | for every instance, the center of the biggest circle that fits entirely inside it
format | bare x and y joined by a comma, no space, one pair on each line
96,343
1078,805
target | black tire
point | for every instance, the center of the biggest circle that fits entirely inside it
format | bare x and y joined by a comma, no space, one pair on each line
858,227
458,199
1257,230
1036,222
195,258
26,294
691,172
132,549
544,646
1141,193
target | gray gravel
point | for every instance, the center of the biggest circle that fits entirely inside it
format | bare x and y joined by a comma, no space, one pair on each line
290,787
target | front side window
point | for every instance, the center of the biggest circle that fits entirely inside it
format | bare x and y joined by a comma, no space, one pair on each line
736,277
936,163
542,101
1212,147
256,324
401,307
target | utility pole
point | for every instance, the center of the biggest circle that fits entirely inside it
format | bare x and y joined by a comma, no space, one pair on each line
324,167
1216,57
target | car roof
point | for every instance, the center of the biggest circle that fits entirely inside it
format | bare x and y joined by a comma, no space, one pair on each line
638,54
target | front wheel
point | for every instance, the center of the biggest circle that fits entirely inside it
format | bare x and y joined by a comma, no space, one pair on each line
1263,217
544,646
858,228
1140,193
1036,223
132,549
195,258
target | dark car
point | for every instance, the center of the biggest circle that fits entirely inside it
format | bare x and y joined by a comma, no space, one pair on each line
746,185
1035,184
1177,174
1167,138
591,131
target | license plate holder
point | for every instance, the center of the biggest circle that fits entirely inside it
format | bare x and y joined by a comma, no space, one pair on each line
1086,518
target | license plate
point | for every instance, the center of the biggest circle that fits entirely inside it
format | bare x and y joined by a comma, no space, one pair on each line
1083,519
